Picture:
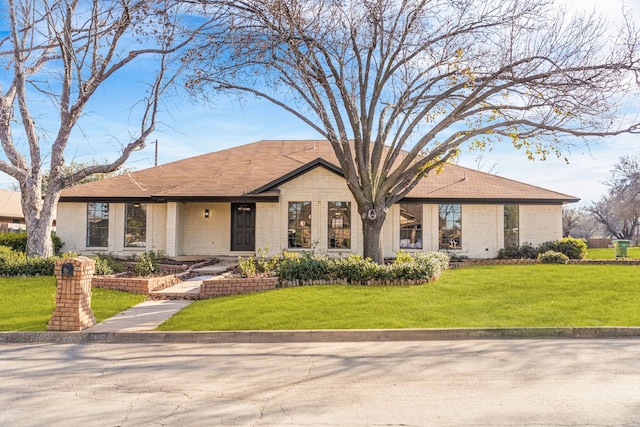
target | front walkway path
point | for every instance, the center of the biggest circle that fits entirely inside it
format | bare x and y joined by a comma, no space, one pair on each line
145,316
164,303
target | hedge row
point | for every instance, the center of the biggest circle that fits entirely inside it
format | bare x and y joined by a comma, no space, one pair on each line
307,267
16,263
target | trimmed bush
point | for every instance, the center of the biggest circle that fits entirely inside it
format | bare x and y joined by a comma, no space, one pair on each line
553,257
572,248
526,251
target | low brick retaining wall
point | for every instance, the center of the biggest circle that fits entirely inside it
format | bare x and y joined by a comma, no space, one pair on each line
245,285
136,285
223,287
471,263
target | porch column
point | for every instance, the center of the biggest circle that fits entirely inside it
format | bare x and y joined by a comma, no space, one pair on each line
172,228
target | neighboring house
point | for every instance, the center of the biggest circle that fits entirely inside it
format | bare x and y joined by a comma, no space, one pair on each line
11,217
291,195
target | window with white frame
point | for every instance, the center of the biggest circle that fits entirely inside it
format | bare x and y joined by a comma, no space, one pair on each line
97,225
135,228
410,226
299,225
450,227
339,225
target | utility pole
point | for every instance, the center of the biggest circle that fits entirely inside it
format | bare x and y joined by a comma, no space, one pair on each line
156,162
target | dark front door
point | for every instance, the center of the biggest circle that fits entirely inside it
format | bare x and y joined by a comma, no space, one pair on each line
243,226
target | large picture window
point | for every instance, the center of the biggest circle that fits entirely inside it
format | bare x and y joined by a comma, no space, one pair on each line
98,225
339,225
135,228
511,226
410,226
299,225
450,225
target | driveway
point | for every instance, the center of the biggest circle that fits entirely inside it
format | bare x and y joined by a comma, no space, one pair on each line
544,382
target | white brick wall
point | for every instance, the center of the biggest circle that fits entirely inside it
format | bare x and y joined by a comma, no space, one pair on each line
182,229
540,223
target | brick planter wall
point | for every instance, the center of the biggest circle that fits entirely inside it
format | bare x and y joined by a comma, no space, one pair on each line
136,285
223,287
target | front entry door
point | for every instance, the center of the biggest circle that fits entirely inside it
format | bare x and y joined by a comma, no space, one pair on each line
243,226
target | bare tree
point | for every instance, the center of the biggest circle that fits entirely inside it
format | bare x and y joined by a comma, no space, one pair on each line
579,222
619,210
63,51
397,87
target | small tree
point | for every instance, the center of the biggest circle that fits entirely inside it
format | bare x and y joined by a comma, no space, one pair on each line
397,87
62,52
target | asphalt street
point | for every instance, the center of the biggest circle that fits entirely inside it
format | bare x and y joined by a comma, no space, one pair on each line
511,382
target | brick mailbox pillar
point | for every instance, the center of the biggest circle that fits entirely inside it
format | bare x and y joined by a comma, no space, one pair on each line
73,295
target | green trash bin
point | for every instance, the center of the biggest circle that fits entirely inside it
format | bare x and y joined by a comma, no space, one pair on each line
621,247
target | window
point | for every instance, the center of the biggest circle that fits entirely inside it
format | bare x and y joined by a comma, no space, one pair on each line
339,225
299,224
135,227
410,226
511,226
450,225
98,225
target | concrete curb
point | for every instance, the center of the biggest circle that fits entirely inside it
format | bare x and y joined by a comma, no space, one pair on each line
347,335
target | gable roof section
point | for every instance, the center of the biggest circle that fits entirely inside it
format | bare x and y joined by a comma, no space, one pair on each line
255,171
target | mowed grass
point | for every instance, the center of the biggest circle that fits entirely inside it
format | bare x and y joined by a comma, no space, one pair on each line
610,253
26,304
484,296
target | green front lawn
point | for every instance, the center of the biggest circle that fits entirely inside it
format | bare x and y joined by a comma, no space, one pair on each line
26,304
610,253
486,296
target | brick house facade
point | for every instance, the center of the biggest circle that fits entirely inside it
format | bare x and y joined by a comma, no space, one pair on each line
291,195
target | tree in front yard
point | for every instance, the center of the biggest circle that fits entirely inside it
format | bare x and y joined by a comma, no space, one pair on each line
59,54
400,87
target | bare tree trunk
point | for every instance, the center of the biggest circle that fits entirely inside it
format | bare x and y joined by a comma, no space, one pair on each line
372,222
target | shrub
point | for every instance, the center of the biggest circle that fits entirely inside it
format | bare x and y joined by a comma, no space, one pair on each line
306,267
16,263
18,241
106,264
246,266
553,257
148,263
569,246
526,251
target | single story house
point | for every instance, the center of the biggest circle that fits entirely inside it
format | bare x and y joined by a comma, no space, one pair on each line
291,195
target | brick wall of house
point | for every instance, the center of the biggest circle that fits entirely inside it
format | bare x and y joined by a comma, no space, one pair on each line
540,223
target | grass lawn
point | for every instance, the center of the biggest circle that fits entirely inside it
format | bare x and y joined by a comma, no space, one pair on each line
483,296
27,303
609,253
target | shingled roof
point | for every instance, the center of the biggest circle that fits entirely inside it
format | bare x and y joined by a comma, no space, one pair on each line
254,171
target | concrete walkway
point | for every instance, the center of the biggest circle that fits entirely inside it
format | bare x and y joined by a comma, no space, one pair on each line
148,315
143,317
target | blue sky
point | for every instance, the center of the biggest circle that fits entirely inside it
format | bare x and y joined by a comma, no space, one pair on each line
188,128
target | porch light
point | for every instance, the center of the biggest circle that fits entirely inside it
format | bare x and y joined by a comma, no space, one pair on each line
206,213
